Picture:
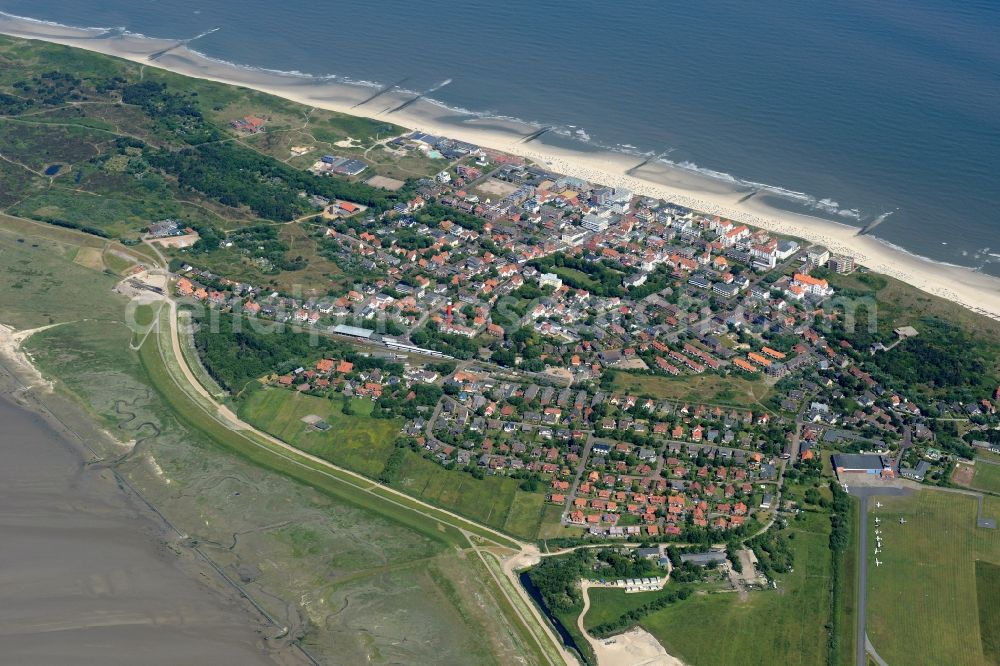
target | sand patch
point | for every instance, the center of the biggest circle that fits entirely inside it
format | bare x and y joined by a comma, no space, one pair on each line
185,240
635,647
17,360
962,476
632,364
497,188
385,182
562,374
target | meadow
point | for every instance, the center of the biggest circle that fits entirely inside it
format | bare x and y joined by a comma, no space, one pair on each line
42,281
932,599
357,442
987,477
494,500
706,388
609,604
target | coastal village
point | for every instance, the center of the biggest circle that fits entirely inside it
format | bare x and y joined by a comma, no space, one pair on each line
523,402
412,386
526,293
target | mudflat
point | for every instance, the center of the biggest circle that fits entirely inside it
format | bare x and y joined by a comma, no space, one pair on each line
86,574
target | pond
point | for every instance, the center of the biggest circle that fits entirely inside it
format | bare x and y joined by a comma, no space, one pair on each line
52,169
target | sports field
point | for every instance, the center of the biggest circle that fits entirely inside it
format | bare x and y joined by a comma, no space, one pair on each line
933,599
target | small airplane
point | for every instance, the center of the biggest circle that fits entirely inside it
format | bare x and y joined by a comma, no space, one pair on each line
902,521
876,520
878,505
878,550
877,563
845,487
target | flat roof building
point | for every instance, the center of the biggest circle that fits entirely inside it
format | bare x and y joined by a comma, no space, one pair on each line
353,331
868,463
704,559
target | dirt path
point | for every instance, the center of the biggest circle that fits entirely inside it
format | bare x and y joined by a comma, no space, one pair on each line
528,556
636,647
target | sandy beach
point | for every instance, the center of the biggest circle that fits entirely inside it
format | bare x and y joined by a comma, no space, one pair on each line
976,291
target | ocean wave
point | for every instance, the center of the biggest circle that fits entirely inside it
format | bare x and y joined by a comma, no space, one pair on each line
824,204
902,249
263,70
55,24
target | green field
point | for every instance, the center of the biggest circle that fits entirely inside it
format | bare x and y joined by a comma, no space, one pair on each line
38,145
900,304
987,477
17,182
988,602
119,216
357,442
707,388
609,604
783,626
922,600
846,607
315,279
43,285
552,526
495,500
575,276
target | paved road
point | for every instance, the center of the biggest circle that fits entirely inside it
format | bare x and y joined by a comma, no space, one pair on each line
903,445
862,609
584,456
